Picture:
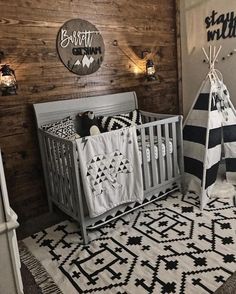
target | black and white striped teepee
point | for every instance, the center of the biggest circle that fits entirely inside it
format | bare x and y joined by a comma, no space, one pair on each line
209,132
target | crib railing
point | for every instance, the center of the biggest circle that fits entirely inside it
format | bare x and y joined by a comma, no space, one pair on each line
163,133
62,177
58,161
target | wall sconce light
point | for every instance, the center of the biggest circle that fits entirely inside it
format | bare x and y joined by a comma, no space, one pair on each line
150,70
8,85
150,66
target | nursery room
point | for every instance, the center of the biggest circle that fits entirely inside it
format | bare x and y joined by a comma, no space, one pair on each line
117,146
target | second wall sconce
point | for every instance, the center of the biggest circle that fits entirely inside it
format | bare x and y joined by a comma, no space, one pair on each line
8,85
150,70
150,66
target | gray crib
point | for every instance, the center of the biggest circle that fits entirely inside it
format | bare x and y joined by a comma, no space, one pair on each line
162,172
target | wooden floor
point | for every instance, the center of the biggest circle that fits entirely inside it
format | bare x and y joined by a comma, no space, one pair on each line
25,230
37,224
229,287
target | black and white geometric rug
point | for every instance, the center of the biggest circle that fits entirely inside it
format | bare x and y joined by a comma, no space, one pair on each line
169,246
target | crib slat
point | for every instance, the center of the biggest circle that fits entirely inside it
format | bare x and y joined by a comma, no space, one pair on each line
79,207
59,172
144,119
71,195
47,173
53,177
52,168
168,154
65,177
174,149
56,170
144,157
160,155
153,159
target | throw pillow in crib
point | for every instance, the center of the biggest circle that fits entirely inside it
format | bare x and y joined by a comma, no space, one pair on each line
114,122
63,128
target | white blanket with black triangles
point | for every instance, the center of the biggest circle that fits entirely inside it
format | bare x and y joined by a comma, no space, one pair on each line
111,169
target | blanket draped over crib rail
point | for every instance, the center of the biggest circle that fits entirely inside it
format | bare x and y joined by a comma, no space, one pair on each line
110,169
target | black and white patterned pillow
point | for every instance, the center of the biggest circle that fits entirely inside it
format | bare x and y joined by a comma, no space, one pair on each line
63,128
114,122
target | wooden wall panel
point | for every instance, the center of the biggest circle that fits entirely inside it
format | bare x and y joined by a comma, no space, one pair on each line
28,32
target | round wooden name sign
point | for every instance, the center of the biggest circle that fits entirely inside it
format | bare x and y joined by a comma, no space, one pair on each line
80,46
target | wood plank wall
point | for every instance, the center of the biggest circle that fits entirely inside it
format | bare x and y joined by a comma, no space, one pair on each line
28,30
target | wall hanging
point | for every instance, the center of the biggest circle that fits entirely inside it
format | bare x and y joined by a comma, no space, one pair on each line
220,25
80,46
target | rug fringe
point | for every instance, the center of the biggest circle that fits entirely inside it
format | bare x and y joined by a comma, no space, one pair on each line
41,276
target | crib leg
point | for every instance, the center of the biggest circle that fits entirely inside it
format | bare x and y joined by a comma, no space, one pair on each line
182,186
182,189
84,234
50,205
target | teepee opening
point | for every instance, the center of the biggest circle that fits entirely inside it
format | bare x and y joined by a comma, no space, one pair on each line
210,135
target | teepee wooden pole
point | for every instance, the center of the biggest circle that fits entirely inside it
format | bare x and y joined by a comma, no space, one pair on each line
217,53
204,51
210,56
